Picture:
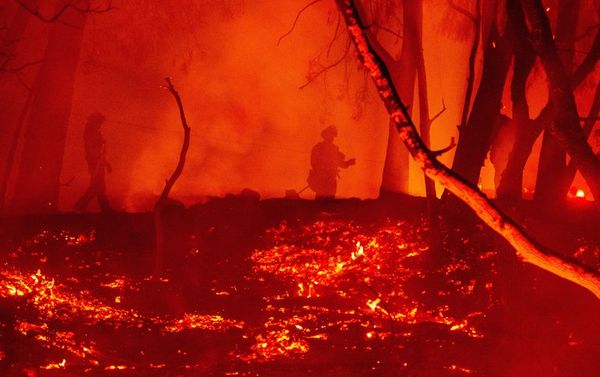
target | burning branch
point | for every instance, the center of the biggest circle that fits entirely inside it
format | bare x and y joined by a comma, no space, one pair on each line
527,249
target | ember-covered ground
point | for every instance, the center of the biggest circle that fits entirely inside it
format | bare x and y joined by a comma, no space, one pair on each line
292,288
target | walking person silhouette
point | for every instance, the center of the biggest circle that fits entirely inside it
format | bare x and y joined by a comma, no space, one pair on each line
95,155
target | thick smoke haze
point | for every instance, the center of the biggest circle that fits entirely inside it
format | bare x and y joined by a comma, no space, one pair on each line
253,116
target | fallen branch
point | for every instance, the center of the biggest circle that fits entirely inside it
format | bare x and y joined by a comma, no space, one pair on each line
527,249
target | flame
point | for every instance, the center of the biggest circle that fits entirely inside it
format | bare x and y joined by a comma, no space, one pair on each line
323,280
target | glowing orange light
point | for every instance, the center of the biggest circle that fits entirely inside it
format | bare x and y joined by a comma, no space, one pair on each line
580,193
373,303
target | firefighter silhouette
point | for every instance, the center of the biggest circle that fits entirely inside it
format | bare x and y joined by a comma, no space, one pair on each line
95,155
326,160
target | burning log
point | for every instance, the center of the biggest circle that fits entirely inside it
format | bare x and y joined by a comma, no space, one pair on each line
169,183
526,247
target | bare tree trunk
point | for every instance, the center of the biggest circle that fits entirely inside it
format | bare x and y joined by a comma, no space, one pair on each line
565,128
12,152
475,137
8,47
511,184
526,247
565,183
476,19
38,180
395,177
159,225
552,163
425,125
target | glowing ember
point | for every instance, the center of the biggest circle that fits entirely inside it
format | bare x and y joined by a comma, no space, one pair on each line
323,288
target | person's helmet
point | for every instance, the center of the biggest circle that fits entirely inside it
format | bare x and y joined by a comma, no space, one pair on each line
97,118
329,133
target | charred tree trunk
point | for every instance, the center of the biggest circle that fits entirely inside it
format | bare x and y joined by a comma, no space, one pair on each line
475,137
552,172
476,19
425,127
511,185
526,247
159,207
588,126
37,183
395,177
565,127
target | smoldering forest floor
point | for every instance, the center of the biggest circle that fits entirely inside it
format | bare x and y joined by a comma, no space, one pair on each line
293,288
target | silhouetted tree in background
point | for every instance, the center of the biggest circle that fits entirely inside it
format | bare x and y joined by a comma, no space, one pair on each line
38,177
163,199
475,137
526,247
549,190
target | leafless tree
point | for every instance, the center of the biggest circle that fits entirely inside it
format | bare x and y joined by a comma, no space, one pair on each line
526,247
169,183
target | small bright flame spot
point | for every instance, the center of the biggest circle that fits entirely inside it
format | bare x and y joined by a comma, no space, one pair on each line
373,303
580,193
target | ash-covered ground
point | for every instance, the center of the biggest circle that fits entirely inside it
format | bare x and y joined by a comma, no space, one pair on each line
292,288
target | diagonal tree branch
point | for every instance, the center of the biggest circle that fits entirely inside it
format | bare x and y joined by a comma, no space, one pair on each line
527,249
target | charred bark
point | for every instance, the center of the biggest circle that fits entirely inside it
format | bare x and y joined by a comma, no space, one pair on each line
511,185
552,162
569,175
525,246
565,128
163,199
476,18
475,137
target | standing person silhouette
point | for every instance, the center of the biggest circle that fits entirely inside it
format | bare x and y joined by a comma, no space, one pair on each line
97,165
326,160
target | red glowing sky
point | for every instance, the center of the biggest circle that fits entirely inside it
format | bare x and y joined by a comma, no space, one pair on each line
251,124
